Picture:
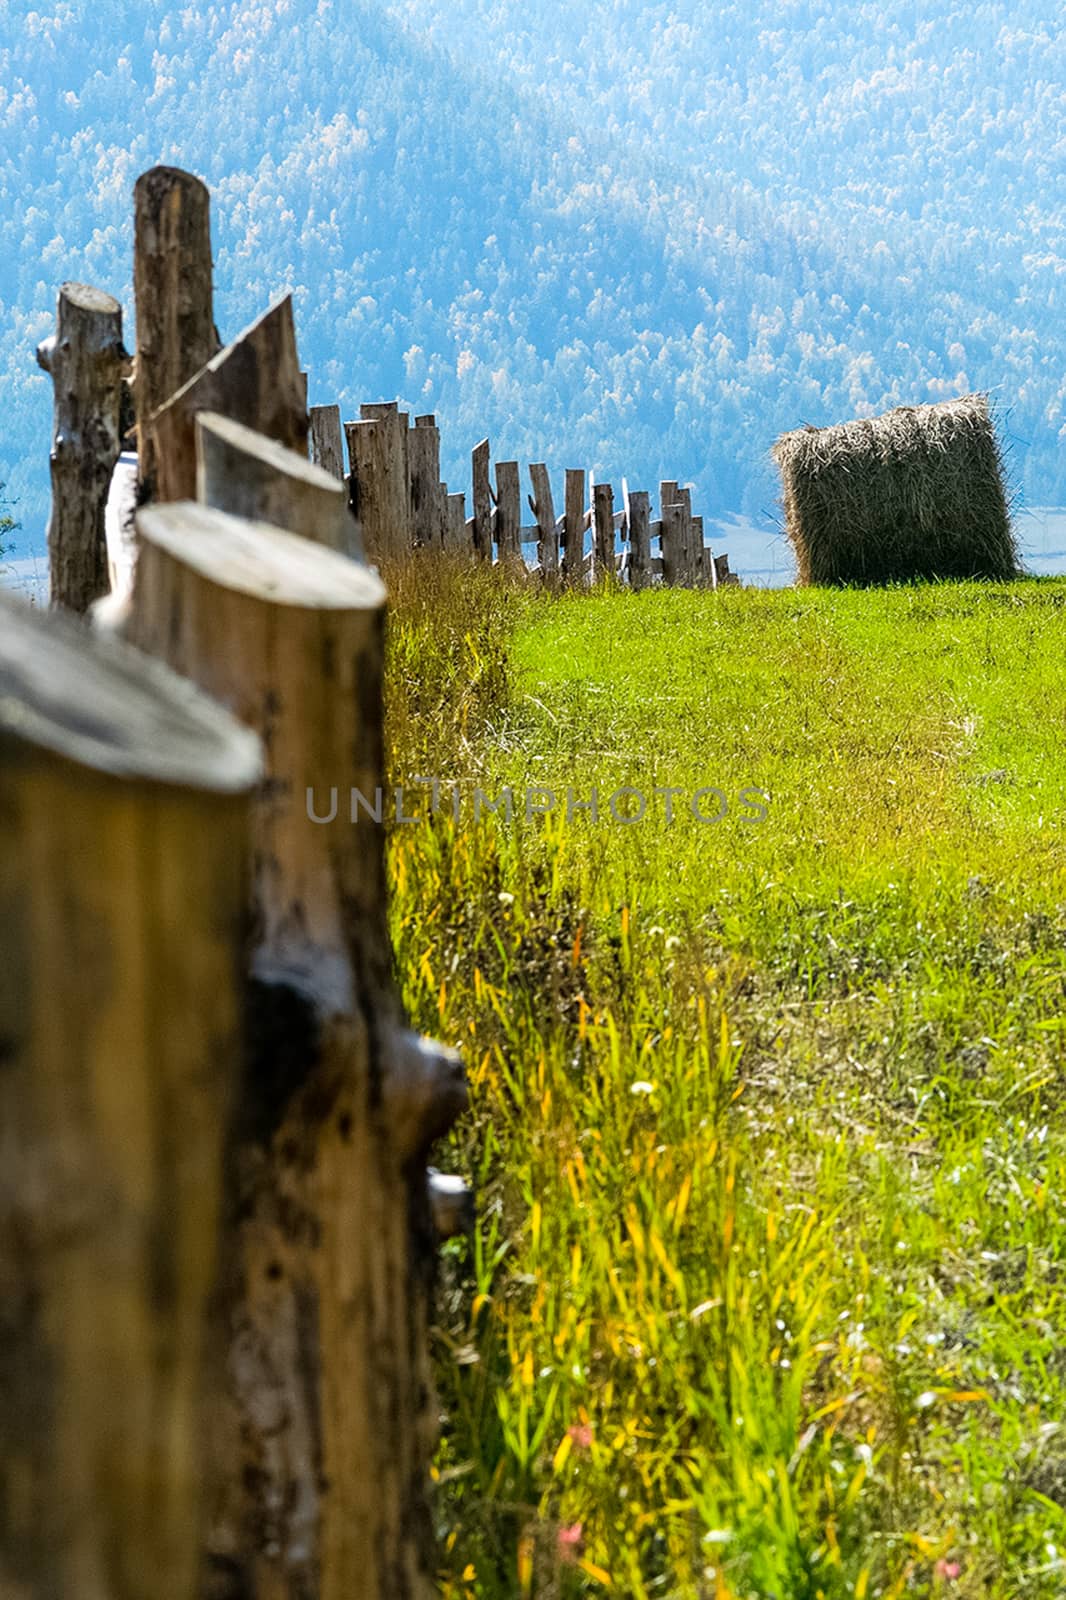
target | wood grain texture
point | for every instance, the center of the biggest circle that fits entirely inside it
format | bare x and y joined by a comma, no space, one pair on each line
86,361
124,794
173,297
543,508
427,493
327,441
249,475
507,523
574,525
482,501
603,563
638,516
255,380
321,1424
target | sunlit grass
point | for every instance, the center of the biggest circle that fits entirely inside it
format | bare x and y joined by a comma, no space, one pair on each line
765,1296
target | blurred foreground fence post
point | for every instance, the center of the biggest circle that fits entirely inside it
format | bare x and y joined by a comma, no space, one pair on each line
123,886
320,1423
86,361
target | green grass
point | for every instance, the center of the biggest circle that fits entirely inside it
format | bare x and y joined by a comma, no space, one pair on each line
766,1294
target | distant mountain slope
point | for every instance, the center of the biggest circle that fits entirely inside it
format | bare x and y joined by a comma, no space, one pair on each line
605,235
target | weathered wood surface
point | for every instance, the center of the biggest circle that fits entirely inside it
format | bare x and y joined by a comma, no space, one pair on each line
688,549
172,291
327,441
86,361
638,516
249,475
123,880
507,523
673,542
574,524
458,535
543,508
320,1431
603,564
482,501
378,483
427,493
255,380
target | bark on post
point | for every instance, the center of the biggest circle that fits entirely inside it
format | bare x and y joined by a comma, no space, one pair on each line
255,380
327,444
507,523
243,472
427,492
321,1428
86,361
574,534
172,293
123,884
638,517
603,531
482,497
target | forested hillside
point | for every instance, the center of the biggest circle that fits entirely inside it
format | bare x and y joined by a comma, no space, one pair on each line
622,235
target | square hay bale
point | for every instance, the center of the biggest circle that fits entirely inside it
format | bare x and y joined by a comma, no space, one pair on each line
915,493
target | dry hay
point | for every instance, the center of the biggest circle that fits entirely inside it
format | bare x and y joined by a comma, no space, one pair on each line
915,493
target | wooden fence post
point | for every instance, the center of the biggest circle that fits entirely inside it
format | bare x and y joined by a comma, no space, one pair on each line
638,514
428,494
482,501
673,542
172,292
86,360
603,563
543,508
123,880
574,525
255,380
378,485
319,1432
457,535
243,472
327,444
507,523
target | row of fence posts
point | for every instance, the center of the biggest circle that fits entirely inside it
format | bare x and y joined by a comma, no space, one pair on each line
217,1224
396,493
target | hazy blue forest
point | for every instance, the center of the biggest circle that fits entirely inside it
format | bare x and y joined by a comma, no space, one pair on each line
637,237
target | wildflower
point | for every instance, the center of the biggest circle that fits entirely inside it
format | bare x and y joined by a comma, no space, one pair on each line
948,1569
581,1434
568,1541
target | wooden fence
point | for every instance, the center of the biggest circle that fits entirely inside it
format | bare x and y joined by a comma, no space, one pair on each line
217,1225
397,496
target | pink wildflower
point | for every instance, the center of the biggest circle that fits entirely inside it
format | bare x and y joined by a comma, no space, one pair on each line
948,1569
568,1541
581,1434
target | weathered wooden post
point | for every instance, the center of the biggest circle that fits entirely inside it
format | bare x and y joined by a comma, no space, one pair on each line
638,517
378,487
172,291
255,380
673,543
123,886
574,525
543,508
428,494
327,443
482,501
86,361
242,471
457,529
507,523
319,1433
603,531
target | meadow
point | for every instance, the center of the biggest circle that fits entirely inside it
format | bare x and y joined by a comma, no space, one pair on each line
766,1295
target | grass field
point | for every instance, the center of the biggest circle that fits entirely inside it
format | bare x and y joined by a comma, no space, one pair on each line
767,1293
